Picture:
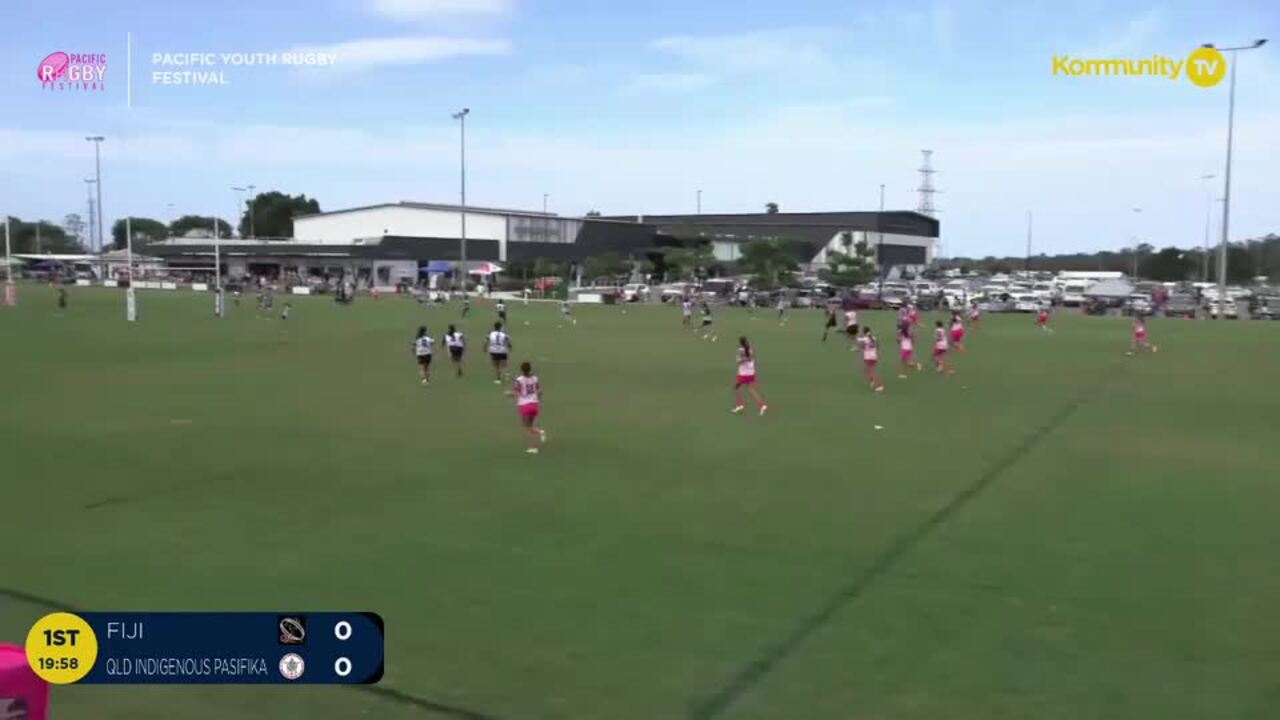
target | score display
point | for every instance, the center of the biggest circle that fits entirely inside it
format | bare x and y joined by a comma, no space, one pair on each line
207,648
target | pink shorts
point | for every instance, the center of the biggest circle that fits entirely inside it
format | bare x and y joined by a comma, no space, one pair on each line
1141,335
957,335
939,352
906,355
1043,319
746,380
529,411
869,363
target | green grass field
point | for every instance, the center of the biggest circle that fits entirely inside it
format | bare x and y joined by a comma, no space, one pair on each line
1057,532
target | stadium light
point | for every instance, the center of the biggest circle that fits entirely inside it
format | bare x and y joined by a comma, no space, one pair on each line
1226,181
1208,217
97,164
461,117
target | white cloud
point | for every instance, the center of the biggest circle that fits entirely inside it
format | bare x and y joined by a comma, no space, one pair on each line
417,10
794,50
1132,38
367,53
668,82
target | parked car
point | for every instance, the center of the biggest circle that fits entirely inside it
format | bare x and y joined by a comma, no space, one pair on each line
1095,306
635,292
1265,307
1227,309
894,297
1073,293
802,299
1138,304
1026,303
675,292
1180,304
996,303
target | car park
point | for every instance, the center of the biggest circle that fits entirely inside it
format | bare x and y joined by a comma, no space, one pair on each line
1138,304
1181,304
1026,303
1227,310
1265,307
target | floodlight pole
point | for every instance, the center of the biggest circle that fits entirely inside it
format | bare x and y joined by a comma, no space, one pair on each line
97,164
1226,194
461,117
1208,215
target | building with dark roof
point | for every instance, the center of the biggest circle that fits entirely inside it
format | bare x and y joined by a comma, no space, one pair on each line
394,241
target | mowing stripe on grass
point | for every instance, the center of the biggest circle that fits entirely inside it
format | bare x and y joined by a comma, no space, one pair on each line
386,693
715,704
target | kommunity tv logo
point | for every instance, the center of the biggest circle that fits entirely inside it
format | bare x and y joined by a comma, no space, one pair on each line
1204,67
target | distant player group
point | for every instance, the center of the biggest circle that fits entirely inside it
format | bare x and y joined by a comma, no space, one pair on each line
526,389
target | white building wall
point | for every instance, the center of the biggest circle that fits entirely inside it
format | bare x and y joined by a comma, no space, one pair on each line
341,228
872,238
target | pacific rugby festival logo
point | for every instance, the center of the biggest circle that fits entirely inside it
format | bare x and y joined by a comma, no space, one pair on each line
1205,66
73,71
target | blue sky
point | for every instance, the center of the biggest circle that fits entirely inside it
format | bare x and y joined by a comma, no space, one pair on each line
633,107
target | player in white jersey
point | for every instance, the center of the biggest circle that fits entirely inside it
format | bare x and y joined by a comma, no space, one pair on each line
457,347
502,312
870,357
422,347
686,313
566,312
528,394
499,349
782,309
940,348
851,325
746,377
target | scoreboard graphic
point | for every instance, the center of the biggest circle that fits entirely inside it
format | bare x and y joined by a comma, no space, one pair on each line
207,648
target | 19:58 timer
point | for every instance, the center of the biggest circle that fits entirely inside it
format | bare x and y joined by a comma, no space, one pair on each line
58,663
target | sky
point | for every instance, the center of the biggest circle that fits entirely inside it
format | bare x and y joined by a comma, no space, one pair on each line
633,107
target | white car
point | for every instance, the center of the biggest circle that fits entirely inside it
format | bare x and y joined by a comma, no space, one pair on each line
635,292
1026,303
1228,310
1073,294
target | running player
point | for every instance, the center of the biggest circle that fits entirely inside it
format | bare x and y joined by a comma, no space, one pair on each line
940,347
1042,318
284,312
831,322
686,313
851,326
1140,341
782,309
957,331
62,298
466,306
870,357
457,347
499,348
423,344
707,332
975,313
746,377
913,314
502,312
528,394
566,312
907,352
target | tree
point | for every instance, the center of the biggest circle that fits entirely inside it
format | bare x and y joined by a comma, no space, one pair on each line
687,263
273,214
767,260
1170,264
545,267
188,223
852,266
145,232
609,265
771,208
593,213
648,268
41,237
75,227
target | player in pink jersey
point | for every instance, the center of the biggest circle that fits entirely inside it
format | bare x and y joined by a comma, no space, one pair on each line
957,331
1140,341
940,347
975,313
746,377
1042,318
907,353
913,314
870,357
528,394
